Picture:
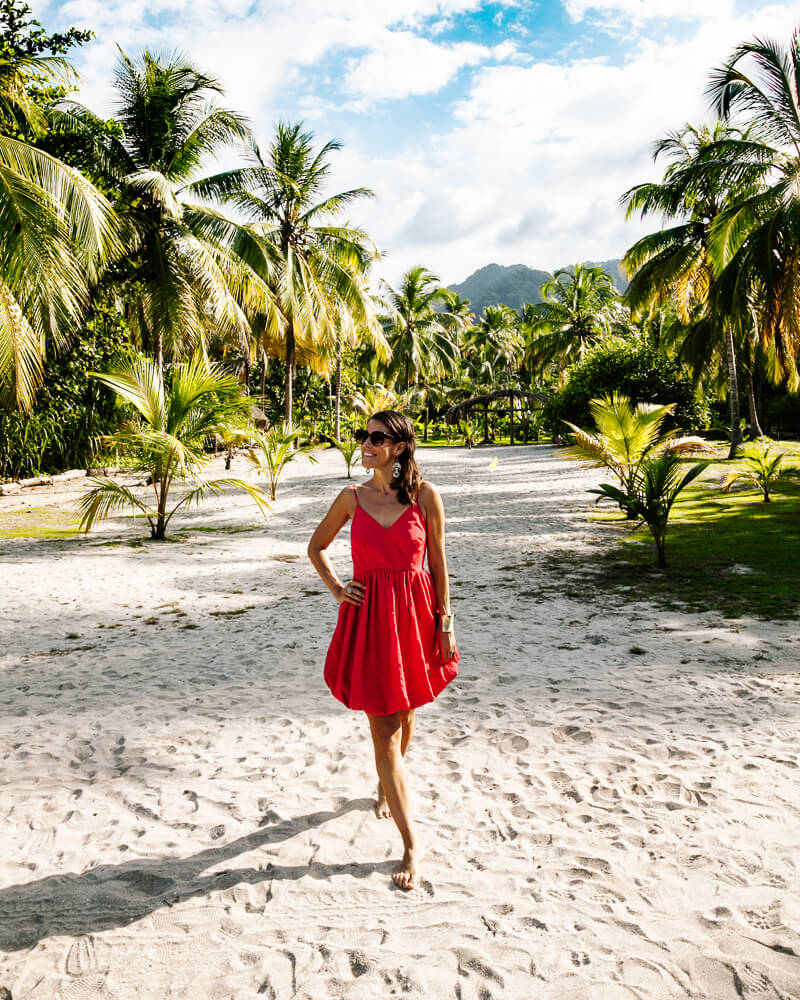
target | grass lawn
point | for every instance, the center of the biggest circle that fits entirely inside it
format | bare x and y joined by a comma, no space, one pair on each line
38,522
731,553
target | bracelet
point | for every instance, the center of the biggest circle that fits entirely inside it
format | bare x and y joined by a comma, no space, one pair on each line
447,623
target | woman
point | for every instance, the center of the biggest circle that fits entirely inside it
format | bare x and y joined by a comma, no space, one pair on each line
394,647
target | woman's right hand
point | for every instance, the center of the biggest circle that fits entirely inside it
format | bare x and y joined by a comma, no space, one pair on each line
350,593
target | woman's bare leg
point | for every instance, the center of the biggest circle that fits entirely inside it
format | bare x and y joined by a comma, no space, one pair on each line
409,720
387,740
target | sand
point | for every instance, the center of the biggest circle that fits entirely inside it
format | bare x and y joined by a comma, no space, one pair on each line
187,812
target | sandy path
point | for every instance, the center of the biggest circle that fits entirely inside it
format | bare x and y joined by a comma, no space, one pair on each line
186,812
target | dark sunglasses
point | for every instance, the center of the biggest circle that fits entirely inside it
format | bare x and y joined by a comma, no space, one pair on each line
376,437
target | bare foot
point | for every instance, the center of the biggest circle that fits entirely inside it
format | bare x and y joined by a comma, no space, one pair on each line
407,872
382,810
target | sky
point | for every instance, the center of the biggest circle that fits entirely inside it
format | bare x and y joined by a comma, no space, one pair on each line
489,132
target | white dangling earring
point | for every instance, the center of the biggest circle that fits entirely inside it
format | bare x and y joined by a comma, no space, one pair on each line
396,469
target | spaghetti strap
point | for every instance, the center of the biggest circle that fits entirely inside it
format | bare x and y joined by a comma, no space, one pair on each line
354,488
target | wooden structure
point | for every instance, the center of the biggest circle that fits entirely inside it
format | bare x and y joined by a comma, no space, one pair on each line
461,411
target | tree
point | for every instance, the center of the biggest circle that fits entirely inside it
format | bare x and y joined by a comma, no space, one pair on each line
194,270
167,439
580,307
319,262
755,238
422,333
676,264
56,231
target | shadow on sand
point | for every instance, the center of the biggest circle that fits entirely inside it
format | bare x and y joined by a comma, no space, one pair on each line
110,896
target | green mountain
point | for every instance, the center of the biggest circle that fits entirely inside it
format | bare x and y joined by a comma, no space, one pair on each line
516,284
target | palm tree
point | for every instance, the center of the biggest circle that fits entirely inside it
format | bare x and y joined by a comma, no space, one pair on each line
499,338
56,232
754,239
191,269
676,264
320,262
422,333
580,307
167,440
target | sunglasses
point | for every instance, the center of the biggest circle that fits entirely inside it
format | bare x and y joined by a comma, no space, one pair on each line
375,438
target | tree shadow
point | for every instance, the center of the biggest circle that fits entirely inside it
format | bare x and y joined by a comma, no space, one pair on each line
110,896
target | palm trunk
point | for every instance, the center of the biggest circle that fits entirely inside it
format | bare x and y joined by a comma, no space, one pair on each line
158,350
427,418
755,425
511,440
288,382
486,424
337,392
733,392
264,364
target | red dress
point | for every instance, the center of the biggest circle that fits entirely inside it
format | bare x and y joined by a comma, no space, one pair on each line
385,655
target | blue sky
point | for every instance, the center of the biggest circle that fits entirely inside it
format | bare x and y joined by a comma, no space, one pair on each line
501,131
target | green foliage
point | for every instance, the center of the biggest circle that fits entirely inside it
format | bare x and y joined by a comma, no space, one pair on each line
71,410
167,438
651,494
350,450
23,41
626,435
470,431
635,369
273,451
762,468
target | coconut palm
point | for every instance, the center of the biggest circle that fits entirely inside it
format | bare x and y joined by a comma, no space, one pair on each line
580,307
754,239
56,231
497,339
422,333
676,264
762,469
167,438
320,261
273,450
652,494
194,271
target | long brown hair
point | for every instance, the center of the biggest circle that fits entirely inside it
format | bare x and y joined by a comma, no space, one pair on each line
400,427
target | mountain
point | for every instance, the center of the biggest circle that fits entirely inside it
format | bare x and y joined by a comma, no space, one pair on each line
516,284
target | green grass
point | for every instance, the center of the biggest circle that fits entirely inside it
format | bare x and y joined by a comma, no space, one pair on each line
38,522
731,553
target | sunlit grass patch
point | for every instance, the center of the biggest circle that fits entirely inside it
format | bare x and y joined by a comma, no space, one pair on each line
731,553
38,522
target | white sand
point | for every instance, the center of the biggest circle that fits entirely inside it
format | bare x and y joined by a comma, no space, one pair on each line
187,812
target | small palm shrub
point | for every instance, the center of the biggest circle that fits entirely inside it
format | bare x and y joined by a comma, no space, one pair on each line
349,451
273,451
166,440
762,468
651,494
470,432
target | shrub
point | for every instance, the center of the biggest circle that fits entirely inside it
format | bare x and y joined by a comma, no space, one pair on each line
638,371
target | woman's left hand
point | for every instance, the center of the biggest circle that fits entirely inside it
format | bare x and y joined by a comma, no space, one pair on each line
447,644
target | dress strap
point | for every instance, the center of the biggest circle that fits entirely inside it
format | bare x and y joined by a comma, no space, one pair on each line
354,488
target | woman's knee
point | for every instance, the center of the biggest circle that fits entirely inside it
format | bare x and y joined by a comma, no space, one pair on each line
387,732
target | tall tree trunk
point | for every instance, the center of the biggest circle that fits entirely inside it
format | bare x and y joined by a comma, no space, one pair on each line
755,425
733,392
288,382
264,363
337,392
427,418
158,351
486,424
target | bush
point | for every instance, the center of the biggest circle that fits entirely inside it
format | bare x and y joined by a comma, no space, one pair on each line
71,409
635,369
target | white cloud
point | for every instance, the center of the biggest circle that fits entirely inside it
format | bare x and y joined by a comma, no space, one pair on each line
535,155
403,63
648,10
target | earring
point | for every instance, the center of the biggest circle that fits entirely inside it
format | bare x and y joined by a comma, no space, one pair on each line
396,470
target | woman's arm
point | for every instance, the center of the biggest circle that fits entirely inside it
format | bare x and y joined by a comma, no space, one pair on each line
432,507
342,509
